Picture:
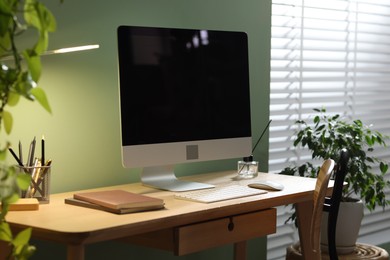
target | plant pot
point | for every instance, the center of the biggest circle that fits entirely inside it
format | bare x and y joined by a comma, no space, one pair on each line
347,229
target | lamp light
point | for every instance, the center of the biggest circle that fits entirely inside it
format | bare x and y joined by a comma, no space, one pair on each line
62,50
73,49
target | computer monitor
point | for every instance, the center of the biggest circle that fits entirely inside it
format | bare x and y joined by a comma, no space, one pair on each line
184,97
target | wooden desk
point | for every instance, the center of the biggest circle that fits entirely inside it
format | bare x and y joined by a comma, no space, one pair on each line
182,227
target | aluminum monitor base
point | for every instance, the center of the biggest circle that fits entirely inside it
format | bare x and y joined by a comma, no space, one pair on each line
164,178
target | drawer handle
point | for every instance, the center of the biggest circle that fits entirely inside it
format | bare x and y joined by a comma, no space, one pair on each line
231,224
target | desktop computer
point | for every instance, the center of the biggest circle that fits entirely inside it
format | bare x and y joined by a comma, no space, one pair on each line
184,97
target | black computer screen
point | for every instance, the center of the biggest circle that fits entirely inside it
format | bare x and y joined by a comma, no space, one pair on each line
182,84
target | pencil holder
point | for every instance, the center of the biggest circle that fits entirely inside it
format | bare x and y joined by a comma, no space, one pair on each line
40,183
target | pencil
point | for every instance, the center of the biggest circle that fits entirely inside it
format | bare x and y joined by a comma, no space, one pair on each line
15,156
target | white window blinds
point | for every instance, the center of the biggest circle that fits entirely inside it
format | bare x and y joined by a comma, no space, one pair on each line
333,54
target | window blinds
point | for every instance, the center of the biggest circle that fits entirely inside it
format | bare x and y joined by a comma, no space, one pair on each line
333,54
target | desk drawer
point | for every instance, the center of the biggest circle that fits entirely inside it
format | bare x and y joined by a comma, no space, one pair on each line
200,236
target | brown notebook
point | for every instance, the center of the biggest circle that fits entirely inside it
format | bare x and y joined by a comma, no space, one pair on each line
118,199
86,204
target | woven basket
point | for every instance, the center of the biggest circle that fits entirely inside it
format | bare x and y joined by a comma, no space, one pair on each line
362,251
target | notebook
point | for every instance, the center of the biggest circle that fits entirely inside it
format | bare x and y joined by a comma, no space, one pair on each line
86,204
118,199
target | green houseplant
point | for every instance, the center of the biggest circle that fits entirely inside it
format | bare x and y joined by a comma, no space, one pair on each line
20,70
325,137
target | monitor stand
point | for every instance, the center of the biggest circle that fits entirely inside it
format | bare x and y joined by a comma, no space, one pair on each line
163,177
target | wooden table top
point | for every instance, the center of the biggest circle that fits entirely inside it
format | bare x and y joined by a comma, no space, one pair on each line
67,223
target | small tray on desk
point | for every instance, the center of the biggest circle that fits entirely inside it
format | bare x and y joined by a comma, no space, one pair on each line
24,204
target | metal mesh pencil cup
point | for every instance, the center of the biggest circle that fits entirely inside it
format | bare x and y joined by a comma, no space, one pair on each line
40,182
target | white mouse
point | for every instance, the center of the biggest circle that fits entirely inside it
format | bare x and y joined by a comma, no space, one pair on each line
266,185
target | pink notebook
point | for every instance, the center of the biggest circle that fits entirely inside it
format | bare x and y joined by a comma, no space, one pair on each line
118,199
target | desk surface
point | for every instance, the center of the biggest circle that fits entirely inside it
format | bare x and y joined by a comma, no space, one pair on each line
61,222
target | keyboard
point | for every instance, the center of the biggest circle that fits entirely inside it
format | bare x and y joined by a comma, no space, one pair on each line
219,193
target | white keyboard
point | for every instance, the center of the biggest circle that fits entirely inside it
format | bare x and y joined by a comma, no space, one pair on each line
219,193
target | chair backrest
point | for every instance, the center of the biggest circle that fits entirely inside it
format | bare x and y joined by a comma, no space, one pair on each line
318,201
333,204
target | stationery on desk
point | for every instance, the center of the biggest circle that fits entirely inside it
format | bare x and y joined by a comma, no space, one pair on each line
31,153
86,204
115,201
20,163
38,168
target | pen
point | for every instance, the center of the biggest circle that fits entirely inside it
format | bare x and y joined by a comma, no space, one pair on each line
43,150
20,152
15,156
35,173
44,169
31,153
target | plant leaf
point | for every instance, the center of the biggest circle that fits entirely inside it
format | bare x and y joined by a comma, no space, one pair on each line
5,17
384,167
3,154
8,121
13,99
4,39
24,84
34,64
40,96
22,250
5,232
22,238
23,181
13,198
42,43
38,16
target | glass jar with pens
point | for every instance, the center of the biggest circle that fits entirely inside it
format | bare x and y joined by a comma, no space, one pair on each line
38,169
40,182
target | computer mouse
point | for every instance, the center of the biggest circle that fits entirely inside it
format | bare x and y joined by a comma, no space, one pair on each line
266,185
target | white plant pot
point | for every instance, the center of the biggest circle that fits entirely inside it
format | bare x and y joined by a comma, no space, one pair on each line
347,229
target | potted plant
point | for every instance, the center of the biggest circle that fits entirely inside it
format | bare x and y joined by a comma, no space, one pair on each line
325,137
20,70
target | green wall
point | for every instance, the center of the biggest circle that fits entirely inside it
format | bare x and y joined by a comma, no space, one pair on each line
82,134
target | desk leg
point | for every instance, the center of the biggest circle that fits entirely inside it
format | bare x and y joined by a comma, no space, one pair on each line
240,250
5,250
304,212
75,252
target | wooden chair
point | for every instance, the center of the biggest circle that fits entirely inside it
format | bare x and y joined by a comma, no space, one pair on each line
331,205
319,195
323,177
